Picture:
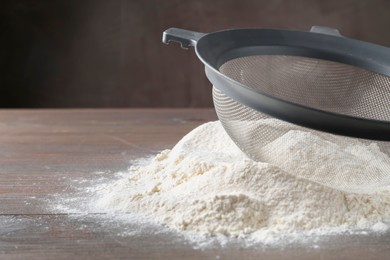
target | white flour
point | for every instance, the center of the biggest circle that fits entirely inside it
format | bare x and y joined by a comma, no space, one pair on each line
207,185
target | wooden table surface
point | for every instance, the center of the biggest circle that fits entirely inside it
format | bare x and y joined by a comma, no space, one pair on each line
43,152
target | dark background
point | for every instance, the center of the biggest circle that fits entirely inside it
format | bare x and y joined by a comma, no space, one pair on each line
101,53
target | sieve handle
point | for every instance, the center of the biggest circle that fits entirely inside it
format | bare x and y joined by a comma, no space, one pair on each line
325,30
186,38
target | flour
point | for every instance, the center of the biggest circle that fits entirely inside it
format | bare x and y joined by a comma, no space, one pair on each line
350,166
206,185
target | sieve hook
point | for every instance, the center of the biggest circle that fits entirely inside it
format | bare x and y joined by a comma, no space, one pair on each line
186,38
325,30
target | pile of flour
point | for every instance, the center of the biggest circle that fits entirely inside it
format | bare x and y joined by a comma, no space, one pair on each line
205,184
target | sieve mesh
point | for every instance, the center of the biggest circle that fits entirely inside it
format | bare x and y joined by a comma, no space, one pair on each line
252,131
319,84
315,83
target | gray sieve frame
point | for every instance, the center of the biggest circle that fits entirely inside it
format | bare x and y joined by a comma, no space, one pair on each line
214,49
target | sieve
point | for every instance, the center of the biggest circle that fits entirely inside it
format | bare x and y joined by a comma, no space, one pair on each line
268,82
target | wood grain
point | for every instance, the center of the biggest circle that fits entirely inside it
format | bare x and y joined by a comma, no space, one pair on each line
43,152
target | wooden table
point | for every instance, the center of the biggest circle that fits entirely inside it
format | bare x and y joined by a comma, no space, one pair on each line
43,152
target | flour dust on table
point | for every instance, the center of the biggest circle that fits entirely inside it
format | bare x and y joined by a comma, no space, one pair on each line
207,186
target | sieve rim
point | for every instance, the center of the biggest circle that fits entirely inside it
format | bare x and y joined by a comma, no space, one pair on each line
215,48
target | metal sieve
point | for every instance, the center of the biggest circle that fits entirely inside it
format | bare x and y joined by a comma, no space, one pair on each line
317,82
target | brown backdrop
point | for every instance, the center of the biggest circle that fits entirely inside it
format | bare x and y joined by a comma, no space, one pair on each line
101,53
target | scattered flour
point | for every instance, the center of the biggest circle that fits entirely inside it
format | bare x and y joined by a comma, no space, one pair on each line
205,184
